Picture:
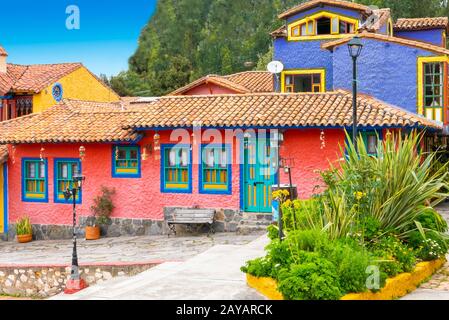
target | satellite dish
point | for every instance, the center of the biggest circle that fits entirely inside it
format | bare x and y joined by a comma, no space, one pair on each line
275,67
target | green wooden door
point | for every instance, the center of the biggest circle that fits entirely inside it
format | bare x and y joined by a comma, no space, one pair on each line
258,175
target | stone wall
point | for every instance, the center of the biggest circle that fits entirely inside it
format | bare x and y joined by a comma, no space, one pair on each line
47,281
226,220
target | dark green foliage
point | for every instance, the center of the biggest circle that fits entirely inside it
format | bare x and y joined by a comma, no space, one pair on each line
351,261
315,278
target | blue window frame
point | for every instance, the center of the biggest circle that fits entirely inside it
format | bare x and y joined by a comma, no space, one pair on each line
215,175
64,169
176,168
34,180
126,161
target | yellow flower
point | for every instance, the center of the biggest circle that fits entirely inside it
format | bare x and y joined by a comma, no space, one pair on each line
359,195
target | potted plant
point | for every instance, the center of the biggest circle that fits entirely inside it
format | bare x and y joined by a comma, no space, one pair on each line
24,230
101,211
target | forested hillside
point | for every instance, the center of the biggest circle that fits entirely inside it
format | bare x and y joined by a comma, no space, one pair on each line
186,39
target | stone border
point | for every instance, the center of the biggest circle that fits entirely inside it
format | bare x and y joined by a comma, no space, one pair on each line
46,280
396,287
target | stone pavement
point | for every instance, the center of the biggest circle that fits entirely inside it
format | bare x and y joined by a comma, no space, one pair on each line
437,288
214,274
123,249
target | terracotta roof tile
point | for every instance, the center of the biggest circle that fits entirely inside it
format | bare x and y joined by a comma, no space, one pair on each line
242,82
280,32
338,3
273,109
81,121
34,78
411,24
412,43
377,19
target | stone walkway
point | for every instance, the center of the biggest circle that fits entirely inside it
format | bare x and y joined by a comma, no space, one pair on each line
437,288
214,274
123,249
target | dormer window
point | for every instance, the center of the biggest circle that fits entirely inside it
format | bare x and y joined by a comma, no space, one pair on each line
322,25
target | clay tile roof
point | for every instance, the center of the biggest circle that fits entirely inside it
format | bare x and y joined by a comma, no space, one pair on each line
37,77
33,78
409,24
255,81
70,121
314,3
81,121
380,16
411,43
242,82
279,32
3,51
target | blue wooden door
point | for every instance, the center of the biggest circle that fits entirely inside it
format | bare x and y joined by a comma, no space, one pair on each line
258,175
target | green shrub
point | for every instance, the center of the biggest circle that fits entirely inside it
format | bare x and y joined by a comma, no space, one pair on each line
280,255
307,240
315,278
259,267
395,257
351,261
302,214
273,232
430,219
432,247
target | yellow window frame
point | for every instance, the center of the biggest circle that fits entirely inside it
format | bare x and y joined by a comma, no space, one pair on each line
321,72
420,79
335,34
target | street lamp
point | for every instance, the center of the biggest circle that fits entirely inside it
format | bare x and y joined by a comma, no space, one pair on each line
75,283
279,138
355,48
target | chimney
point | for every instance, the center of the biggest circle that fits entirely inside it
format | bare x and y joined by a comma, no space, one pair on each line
3,56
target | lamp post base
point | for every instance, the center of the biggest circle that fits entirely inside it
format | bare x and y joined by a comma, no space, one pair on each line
73,286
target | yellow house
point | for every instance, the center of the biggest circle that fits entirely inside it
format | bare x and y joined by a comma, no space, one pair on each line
33,88
26,89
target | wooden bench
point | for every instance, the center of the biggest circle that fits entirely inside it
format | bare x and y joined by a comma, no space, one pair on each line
190,217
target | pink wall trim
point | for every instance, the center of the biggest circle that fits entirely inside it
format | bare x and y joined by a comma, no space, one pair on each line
141,198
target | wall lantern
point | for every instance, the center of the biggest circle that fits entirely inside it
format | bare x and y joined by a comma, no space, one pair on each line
157,142
82,153
41,154
147,150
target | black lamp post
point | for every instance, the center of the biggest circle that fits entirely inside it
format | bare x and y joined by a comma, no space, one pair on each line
75,283
279,141
355,48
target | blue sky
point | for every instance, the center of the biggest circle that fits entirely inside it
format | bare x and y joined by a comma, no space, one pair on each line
35,32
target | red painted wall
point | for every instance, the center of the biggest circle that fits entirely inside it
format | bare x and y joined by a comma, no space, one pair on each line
310,156
141,198
210,88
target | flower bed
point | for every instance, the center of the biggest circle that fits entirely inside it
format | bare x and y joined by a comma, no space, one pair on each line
396,287
373,231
